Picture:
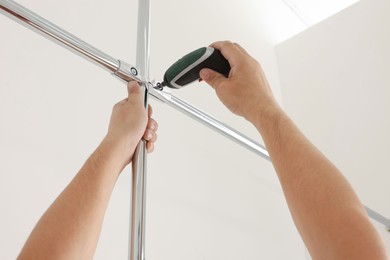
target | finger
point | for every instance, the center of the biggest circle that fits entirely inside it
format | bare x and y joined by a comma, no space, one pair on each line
133,88
149,147
150,136
229,50
152,124
150,111
213,78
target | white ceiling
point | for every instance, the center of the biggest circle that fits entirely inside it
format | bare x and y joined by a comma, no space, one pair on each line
283,19
312,12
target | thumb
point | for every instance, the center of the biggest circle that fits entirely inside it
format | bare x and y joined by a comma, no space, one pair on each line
213,78
133,88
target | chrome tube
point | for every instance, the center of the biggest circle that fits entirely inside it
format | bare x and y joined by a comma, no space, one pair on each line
378,217
233,135
127,72
137,214
58,35
139,162
210,122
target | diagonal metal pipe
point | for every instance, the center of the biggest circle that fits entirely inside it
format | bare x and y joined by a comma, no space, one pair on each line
33,21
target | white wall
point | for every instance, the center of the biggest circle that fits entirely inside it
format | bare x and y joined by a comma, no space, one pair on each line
207,197
335,80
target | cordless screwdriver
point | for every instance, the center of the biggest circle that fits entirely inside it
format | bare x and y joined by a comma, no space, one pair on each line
186,70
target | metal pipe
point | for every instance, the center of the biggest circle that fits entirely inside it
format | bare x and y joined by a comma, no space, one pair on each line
210,122
378,217
126,72
232,134
139,162
58,35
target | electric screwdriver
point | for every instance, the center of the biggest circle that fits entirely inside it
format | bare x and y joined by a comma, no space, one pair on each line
186,70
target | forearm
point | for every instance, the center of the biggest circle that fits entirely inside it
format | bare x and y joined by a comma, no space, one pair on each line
71,226
326,210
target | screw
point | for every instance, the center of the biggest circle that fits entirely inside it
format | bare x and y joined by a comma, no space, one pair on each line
134,71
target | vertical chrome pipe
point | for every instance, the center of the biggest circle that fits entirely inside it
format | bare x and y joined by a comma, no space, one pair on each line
139,162
126,72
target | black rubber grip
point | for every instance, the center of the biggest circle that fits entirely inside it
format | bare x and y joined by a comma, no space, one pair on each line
215,61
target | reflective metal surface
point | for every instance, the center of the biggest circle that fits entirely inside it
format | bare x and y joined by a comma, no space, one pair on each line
126,73
58,35
378,217
233,135
138,205
210,122
137,221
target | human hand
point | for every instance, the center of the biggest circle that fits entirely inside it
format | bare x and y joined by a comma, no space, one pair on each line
246,91
129,123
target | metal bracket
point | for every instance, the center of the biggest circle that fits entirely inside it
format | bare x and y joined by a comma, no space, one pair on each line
127,72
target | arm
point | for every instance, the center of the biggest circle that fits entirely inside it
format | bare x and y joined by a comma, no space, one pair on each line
70,228
325,209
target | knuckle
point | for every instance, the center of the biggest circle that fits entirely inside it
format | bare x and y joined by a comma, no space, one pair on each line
227,42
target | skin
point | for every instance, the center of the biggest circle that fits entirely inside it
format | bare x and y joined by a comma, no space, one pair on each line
327,212
70,228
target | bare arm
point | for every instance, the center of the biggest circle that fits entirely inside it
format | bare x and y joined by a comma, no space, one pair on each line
70,228
325,209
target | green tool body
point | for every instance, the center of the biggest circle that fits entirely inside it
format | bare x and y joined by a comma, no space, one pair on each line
186,70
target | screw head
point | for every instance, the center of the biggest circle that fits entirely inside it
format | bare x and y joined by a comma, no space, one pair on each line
134,71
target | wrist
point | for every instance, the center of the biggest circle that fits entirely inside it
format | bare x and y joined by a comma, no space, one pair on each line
119,152
268,112
261,108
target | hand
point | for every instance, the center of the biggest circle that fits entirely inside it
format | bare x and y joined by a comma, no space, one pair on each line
150,135
130,122
246,92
